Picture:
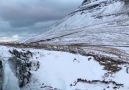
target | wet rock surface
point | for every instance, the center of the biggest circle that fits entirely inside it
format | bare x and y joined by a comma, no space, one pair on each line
22,65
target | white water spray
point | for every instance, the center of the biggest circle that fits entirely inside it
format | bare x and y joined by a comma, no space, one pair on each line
10,81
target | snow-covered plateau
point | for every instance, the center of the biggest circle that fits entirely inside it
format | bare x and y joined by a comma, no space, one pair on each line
98,68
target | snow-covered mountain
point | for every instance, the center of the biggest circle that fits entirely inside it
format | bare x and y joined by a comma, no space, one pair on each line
73,67
95,22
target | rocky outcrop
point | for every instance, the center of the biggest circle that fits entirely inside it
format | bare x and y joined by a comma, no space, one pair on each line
22,66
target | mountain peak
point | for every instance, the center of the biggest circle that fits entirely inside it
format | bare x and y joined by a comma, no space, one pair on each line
88,1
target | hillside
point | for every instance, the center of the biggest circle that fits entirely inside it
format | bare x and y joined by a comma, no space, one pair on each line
99,22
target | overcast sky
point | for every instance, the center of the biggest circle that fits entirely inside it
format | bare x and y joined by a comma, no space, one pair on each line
24,18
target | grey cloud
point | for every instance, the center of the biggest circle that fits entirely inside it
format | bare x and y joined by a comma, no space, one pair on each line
23,32
28,17
25,18
26,13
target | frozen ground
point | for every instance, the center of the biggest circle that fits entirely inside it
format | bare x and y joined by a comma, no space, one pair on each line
66,71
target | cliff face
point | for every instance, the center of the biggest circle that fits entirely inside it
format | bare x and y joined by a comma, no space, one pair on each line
94,22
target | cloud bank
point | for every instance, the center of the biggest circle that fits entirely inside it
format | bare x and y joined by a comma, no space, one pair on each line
29,17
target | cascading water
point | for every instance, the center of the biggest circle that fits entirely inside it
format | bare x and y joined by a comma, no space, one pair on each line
10,81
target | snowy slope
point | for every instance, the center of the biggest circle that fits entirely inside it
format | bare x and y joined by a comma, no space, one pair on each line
99,22
66,71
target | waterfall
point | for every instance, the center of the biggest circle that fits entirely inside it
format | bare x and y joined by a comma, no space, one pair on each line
10,81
